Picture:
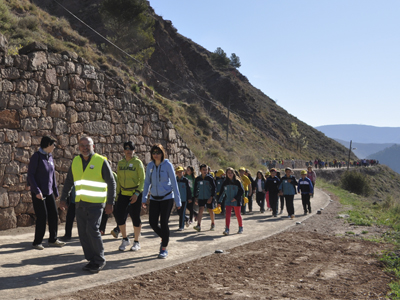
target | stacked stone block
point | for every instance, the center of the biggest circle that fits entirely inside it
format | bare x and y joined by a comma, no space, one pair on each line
62,95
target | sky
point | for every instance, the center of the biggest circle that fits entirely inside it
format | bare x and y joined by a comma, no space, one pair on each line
325,62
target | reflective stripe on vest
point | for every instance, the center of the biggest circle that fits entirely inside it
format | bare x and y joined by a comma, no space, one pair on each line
89,184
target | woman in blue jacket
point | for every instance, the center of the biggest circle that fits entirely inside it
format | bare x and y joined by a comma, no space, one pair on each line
232,192
160,180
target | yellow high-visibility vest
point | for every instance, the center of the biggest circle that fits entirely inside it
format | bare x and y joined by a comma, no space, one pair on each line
89,184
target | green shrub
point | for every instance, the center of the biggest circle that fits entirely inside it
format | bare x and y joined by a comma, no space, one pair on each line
355,182
29,22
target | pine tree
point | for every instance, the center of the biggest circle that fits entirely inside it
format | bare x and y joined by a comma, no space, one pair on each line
131,27
219,58
235,61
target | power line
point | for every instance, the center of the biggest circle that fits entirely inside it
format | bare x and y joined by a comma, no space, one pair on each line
126,53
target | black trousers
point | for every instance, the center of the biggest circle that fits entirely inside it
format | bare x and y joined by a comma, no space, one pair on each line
45,211
282,202
159,213
182,216
289,204
250,202
273,202
260,199
69,222
191,210
123,208
305,198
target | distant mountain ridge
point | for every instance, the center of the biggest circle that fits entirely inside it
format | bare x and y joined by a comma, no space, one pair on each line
362,133
364,150
389,156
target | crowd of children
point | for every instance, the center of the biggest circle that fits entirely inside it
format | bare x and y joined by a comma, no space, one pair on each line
217,192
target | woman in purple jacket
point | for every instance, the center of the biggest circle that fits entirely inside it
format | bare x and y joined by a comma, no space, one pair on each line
42,181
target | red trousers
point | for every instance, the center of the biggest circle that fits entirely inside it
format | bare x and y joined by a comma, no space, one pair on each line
267,199
228,211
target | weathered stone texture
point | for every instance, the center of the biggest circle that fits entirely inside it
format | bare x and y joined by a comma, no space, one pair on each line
61,95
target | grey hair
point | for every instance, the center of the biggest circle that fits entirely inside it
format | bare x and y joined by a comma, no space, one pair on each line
87,138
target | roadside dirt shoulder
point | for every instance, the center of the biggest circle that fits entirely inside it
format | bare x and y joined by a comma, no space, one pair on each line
308,261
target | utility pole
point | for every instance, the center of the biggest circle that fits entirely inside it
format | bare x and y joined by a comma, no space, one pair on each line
227,122
348,162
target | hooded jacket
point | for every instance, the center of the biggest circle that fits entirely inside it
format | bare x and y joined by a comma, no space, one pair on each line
161,182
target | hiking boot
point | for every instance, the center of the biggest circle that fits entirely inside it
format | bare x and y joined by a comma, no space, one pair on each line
124,244
226,232
212,227
114,233
197,228
240,230
57,243
38,247
163,254
96,268
136,246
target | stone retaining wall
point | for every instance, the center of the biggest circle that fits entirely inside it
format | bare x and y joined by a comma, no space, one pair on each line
60,94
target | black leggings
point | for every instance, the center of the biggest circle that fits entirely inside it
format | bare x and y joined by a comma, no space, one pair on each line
45,211
159,212
123,208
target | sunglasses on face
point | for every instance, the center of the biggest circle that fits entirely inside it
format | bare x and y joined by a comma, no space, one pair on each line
156,152
127,148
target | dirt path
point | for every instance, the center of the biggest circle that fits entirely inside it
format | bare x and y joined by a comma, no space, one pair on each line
306,261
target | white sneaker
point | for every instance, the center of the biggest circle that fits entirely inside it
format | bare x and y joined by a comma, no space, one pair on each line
124,244
136,246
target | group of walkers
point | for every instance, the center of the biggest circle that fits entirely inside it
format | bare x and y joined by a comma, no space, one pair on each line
321,164
92,191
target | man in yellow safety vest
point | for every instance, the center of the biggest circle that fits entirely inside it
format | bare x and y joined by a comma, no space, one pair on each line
95,187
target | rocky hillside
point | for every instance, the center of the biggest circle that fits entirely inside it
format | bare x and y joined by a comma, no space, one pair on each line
196,100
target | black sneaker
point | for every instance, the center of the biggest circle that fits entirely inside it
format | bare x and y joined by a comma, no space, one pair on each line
65,238
309,210
96,268
88,266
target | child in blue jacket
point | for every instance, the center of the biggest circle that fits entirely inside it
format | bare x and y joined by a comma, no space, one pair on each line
231,195
306,187
287,188
186,195
204,192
